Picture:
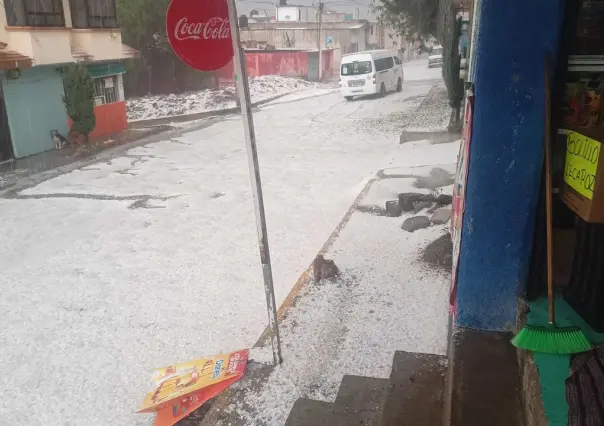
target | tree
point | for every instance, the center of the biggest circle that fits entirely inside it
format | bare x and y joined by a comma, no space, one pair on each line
449,30
420,19
411,19
143,22
79,98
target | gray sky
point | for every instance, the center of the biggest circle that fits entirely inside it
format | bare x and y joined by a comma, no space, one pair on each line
348,6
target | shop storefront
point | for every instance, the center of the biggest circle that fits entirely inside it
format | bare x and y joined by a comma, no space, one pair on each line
110,103
501,224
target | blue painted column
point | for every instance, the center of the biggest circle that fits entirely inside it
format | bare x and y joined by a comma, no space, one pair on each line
506,157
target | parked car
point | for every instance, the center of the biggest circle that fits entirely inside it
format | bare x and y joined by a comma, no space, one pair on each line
435,59
370,72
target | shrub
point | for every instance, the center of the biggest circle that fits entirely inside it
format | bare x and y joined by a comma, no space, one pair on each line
79,98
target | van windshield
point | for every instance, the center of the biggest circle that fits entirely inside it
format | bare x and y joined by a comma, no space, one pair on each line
356,68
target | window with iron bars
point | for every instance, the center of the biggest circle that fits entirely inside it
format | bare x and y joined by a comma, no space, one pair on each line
34,13
93,13
105,90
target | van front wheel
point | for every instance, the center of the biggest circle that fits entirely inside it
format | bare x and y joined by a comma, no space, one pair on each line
382,90
348,98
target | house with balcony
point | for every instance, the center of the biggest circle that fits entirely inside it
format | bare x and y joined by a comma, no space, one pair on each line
38,38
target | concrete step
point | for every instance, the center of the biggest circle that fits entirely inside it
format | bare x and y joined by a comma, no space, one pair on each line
416,393
360,402
308,412
486,380
360,399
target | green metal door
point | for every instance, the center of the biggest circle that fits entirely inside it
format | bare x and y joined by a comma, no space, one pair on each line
313,66
34,107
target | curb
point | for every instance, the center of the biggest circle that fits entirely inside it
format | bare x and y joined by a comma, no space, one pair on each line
223,400
306,276
199,115
436,137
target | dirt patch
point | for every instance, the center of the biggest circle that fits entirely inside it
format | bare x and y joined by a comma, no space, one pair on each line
391,123
434,111
439,253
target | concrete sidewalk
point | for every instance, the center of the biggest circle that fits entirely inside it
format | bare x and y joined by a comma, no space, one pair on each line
11,171
391,295
29,171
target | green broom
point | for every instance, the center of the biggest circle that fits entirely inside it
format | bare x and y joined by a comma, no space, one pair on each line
550,339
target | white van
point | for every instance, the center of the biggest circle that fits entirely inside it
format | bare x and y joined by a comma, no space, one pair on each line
367,73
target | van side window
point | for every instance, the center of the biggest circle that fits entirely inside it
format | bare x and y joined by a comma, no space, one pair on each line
380,65
397,61
389,62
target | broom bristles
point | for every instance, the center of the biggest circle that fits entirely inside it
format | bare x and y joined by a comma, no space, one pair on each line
552,340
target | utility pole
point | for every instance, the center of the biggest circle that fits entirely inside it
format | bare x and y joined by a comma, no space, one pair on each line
321,7
243,92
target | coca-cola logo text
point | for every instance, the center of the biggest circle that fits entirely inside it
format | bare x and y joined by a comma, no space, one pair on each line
200,33
213,29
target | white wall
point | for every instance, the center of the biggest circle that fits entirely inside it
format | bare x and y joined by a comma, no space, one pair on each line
288,14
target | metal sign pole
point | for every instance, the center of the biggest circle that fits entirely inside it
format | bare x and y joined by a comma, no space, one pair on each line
243,92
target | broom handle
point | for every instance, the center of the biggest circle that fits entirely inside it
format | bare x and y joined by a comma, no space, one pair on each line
548,188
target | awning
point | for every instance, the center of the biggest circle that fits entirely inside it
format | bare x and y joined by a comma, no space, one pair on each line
104,70
130,52
10,59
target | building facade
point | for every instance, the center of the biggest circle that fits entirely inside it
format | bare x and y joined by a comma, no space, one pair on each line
285,62
37,38
342,37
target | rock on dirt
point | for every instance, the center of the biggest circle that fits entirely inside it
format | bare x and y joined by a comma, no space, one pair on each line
406,200
393,209
414,223
441,216
444,199
421,205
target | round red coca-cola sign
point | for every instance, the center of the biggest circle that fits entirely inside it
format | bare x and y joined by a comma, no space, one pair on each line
199,32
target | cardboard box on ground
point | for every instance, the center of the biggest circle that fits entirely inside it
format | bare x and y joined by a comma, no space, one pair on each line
583,189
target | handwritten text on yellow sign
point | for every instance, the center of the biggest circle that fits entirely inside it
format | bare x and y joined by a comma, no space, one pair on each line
581,163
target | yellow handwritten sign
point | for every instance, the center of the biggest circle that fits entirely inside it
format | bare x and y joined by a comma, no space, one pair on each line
581,163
